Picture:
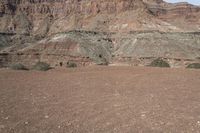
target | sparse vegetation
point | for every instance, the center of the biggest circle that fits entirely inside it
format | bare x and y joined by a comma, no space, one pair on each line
159,63
18,66
198,57
71,64
194,65
41,66
102,61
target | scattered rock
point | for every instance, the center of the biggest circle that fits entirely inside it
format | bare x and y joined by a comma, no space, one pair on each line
198,123
46,116
143,115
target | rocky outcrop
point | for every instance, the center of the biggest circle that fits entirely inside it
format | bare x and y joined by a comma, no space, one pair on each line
182,15
30,15
86,48
45,17
82,47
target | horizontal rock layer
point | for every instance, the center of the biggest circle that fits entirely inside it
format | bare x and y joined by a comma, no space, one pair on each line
42,17
85,48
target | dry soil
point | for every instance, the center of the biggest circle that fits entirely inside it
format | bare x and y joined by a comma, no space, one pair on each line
100,99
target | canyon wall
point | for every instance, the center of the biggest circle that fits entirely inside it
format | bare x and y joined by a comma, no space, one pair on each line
40,16
133,32
45,17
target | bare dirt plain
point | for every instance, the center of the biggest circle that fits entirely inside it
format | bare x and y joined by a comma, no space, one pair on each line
100,99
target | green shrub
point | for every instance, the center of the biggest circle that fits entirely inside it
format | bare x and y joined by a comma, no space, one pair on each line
159,63
102,61
41,66
18,66
194,65
71,64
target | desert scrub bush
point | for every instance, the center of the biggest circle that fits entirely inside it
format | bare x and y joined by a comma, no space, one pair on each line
41,66
71,64
159,63
102,61
18,66
194,65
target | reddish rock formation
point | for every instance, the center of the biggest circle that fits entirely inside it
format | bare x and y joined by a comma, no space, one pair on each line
70,11
52,16
182,15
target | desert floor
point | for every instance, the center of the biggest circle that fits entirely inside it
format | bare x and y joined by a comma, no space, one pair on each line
100,99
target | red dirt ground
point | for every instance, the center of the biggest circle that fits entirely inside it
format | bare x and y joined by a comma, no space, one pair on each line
100,99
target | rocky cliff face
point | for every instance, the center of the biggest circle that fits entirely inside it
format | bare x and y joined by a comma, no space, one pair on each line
182,15
41,17
98,31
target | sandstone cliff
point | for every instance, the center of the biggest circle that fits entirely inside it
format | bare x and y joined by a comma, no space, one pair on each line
41,17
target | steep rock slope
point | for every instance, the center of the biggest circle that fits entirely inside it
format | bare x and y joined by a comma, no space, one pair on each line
39,17
182,15
51,16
